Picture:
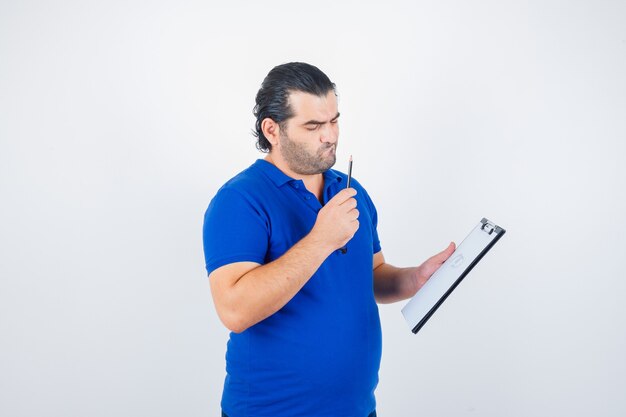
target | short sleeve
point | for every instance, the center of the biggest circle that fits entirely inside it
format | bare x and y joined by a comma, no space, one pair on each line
235,230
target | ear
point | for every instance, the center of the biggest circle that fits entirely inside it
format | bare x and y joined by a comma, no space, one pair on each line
271,130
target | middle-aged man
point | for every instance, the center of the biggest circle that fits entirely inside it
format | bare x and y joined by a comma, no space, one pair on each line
295,264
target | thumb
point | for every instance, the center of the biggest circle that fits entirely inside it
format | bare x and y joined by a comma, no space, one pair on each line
445,254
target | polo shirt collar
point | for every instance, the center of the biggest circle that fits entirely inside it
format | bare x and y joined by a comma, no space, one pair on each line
280,178
277,176
331,177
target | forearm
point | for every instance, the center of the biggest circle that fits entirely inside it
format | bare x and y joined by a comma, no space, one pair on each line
393,284
267,288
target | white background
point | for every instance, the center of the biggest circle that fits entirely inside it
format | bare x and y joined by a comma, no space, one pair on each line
120,120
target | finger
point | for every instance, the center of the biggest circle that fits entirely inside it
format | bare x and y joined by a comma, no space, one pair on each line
349,204
444,254
344,195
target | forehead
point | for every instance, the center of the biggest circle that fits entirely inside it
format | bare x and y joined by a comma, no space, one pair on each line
311,107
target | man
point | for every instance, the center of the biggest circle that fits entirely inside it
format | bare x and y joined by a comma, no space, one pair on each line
296,267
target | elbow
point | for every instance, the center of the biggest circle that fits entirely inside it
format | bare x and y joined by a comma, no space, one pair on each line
236,327
384,299
233,321
232,316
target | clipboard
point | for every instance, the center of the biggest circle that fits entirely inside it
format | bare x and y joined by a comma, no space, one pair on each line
450,274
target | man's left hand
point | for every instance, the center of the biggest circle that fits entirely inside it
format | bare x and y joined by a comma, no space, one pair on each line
423,272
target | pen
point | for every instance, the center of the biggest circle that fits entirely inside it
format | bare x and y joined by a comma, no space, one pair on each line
344,250
349,172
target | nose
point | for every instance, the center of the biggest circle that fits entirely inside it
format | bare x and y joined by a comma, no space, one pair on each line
330,133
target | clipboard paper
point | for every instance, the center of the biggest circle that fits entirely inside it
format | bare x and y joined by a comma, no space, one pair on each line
450,274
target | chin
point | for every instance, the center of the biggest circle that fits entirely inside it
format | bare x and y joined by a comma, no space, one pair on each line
331,162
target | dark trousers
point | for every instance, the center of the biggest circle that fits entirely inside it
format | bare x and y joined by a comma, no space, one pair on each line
372,414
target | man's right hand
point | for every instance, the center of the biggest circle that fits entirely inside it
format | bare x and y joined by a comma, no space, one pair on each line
337,221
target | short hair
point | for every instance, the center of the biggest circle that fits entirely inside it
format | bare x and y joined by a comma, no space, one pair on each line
272,99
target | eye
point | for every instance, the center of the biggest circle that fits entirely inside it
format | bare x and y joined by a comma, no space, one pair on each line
312,128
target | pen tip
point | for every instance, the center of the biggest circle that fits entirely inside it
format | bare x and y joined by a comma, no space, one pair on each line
350,158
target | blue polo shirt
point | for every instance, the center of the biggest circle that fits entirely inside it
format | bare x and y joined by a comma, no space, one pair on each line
319,355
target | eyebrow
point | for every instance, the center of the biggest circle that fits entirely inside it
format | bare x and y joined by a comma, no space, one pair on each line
317,122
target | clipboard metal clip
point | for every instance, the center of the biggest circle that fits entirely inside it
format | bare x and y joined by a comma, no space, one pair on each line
487,226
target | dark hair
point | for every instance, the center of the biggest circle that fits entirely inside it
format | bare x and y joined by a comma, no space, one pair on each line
272,100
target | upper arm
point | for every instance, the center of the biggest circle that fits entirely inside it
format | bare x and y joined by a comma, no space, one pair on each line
235,235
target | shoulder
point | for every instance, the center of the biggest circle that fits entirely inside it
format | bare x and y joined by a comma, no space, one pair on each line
248,180
241,197
245,185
